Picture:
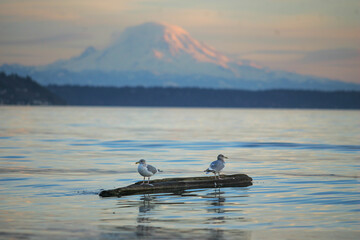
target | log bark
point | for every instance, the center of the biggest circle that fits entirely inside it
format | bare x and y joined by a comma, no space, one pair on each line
177,185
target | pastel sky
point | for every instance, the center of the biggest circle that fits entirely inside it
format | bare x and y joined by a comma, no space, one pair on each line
316,37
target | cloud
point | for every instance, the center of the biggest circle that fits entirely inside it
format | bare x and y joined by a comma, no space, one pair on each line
34,10
306,57
274,52
66,10
336,63
327,55
60,38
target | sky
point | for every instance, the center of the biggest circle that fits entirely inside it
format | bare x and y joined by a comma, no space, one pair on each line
315,37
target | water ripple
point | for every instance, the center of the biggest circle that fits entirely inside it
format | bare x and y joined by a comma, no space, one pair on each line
206,145
25,170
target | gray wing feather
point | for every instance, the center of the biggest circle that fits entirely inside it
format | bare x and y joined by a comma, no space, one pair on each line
151,169
217,165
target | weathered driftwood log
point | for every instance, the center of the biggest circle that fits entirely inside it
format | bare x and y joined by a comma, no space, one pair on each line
179,185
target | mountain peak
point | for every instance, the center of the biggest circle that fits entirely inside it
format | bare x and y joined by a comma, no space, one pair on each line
156,47
157,27
170,43
150,31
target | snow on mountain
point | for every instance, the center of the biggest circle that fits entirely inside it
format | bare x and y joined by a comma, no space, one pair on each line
154,47
156,54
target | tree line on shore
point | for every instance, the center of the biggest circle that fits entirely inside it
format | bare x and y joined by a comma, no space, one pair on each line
16,90
201,97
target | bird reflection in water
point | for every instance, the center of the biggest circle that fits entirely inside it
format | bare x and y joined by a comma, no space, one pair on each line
217,201
146,205
216,210
143,230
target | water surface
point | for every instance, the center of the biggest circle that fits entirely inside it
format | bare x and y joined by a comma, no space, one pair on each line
55,160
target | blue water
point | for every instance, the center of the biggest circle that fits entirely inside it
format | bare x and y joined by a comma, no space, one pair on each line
55,160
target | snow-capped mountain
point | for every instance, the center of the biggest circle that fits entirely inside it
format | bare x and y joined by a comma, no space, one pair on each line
156,54
153,47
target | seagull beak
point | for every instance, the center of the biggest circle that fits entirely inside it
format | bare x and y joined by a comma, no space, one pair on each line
225,157
137,162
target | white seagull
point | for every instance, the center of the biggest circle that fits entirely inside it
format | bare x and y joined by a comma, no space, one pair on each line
146,170
217,166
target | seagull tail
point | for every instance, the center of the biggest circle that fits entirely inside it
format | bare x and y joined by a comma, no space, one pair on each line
160,170
208,170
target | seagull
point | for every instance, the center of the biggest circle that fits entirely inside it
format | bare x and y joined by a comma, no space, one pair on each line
146,170
217,166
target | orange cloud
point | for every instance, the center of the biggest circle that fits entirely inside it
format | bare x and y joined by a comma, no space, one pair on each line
59,10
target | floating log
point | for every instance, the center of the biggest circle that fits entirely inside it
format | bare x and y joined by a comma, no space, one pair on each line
179,185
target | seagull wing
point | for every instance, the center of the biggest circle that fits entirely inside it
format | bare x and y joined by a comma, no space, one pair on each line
217,165
151,168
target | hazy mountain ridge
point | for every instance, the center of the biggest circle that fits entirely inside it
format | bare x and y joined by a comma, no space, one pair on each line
154,54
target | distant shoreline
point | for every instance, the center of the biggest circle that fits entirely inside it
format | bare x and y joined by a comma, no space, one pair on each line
205,97
16,90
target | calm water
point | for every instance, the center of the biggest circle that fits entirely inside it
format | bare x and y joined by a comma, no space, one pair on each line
55,160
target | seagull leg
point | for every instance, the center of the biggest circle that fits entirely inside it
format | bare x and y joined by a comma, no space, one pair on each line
149,182
143,181
219,175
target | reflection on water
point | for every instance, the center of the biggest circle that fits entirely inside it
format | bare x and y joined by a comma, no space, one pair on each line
142,230
54,162
150,232
147,206
151,210
217,201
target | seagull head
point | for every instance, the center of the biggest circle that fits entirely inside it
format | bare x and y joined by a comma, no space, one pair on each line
141,161
221,157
